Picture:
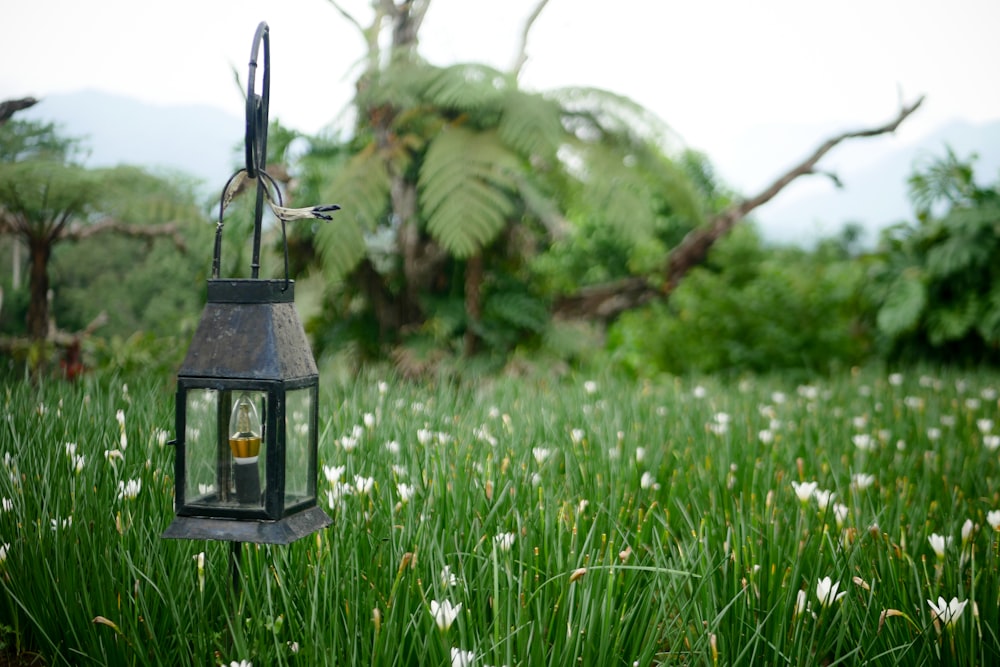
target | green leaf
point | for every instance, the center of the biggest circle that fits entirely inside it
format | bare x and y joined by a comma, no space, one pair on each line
361,188
466,188
904,304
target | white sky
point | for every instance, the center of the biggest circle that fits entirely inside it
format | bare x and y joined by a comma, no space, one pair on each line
712,69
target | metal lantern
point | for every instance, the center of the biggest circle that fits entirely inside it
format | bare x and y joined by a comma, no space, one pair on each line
247,391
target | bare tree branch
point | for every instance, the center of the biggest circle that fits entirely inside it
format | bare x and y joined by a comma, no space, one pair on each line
350,19
167,229
609,300
522,52
10,107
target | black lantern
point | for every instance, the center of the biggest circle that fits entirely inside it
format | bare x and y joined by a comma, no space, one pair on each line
247,391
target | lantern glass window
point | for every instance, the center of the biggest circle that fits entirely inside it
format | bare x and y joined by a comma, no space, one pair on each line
300,418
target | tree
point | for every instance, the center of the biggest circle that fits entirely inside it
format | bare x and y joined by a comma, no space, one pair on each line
937,282
455,173
456,179
46,198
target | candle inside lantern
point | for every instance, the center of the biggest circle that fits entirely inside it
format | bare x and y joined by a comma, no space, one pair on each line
244,442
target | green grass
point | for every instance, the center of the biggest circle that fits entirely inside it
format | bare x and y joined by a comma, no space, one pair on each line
645,523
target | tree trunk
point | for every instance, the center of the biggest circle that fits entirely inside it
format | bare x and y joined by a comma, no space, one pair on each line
38,289
473,301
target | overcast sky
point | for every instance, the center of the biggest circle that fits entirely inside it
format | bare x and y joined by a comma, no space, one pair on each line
711,69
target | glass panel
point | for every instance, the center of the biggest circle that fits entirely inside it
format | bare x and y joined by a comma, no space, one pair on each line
200,437
299,437
224,451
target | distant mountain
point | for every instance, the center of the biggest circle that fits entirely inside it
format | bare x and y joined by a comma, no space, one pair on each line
200,141
206,142
873,173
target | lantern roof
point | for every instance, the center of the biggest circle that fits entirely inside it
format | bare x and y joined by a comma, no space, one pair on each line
250,330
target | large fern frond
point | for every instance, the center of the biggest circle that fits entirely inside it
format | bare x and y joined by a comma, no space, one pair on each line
614,114
531,124
361,187
466,187
466,87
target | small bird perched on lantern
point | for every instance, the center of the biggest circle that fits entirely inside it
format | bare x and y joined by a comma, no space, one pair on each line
238,182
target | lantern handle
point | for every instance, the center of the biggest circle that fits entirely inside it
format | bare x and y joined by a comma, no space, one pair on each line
255,142
255,146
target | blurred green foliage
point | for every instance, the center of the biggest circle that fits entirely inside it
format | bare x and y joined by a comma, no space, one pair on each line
752,308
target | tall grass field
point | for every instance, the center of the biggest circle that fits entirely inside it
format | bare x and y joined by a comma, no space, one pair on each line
566,521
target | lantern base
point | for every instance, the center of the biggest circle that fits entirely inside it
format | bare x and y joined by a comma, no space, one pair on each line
282,531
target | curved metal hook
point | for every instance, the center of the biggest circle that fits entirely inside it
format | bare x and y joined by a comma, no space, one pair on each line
256,135
257,105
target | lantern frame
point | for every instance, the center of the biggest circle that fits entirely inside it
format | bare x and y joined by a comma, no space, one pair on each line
249,339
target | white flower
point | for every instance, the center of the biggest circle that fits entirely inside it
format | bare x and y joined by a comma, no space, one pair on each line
71,449
939,544
590,386
4,548
444,613
699,392
241,663
967,529
424,436
364,485
766,436
129,490
504,541
992,518
335,496
984,425
801,602
405,492
540,454
647,481
991,442
827,593
577,435
64,523
863,441
862,480
199,560
120,416
333,474
949,612
640,454
393,447
895,379
804,490
78,463
840,512
823,498
348,443
933,433
460,658
448,578
8,506
369,419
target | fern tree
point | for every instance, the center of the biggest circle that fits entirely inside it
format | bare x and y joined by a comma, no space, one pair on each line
47,198
937,283
457,179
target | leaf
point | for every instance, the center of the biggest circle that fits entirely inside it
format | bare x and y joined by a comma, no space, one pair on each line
467,184
904,304
361,187
952,321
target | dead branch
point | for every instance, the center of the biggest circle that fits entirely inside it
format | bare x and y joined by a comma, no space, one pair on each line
522,50
79,232
10,107
609,300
